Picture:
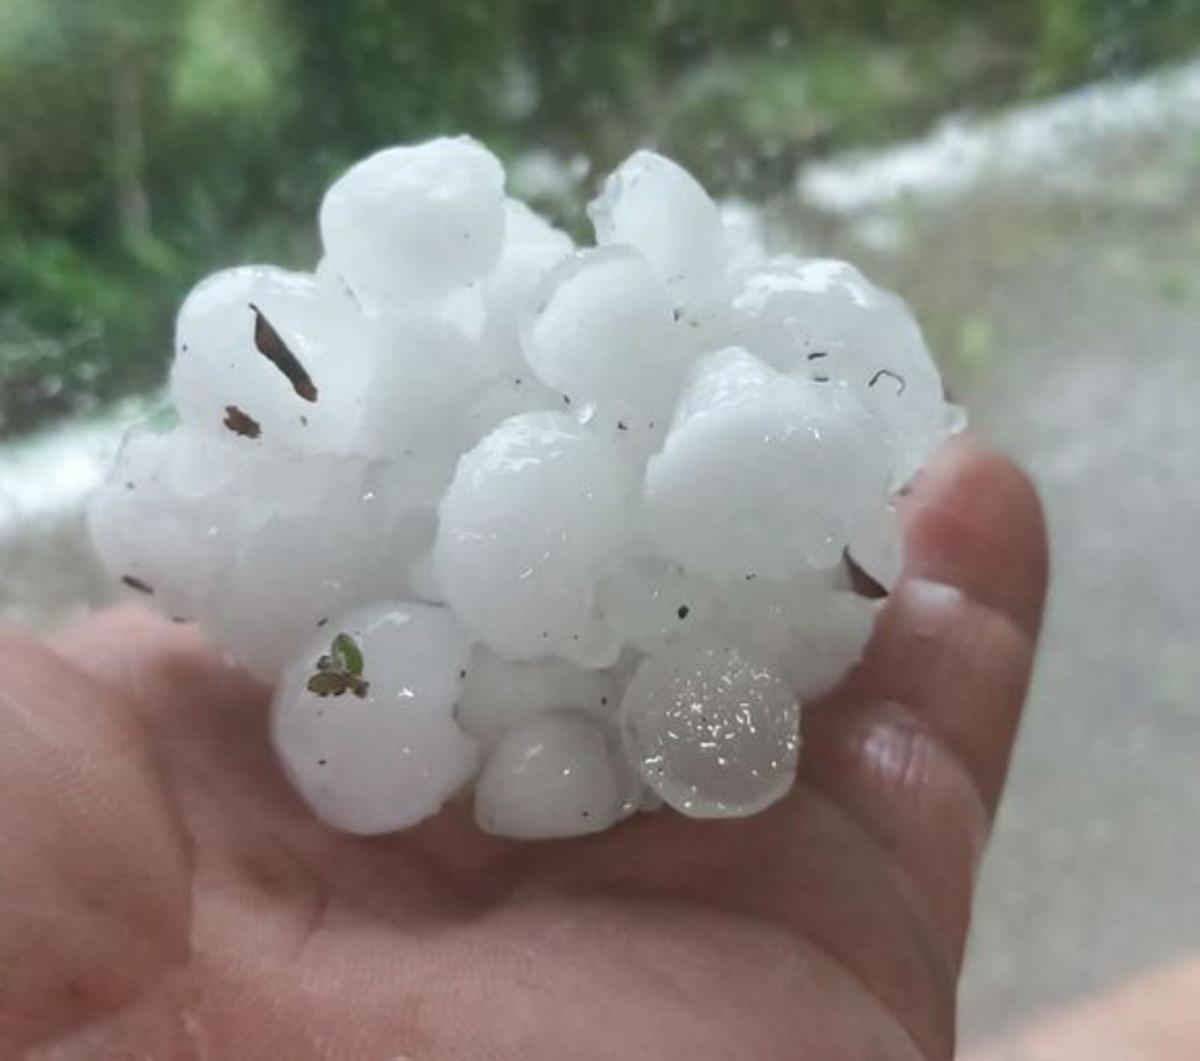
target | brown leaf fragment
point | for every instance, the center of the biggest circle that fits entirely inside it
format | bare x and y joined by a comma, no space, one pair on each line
270,344
241,423
861,582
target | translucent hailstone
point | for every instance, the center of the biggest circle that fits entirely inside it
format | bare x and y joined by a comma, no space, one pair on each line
535,512
270,357
602,330
823,319
532,247
713,729
500,694
653,204
352,543
168,544
650,602
425,377
762,473
556,775
391,757
811,627
411,224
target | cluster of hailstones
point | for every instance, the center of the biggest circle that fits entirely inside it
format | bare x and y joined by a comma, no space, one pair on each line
581,527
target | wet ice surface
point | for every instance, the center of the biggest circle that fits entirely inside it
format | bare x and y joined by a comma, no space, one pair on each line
478,502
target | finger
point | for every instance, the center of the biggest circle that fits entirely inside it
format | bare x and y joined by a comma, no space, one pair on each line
94,887
916,744
974,521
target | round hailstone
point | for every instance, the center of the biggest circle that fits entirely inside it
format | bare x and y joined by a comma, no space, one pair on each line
532,247
385,752
762,473
603,331
354,544
557,775
410,224
650,602
425,377
535,512
270,357
652,204
499,694
823,319
172,547
714,730
811,627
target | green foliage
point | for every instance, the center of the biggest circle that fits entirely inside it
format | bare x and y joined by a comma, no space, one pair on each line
146,142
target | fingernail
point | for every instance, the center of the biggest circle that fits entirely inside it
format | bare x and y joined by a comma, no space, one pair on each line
929,606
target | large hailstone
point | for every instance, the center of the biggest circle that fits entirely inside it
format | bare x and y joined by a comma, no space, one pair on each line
535,513
385,754
270,356
650,203
601,517
557,775
602,331
822,319
713,729
411,224
764,473
170,544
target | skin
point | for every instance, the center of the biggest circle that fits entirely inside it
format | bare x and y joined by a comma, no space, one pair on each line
164,895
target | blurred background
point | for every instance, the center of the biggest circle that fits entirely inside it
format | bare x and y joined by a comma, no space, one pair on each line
1025,172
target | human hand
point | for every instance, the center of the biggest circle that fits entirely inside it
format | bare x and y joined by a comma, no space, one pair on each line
164,895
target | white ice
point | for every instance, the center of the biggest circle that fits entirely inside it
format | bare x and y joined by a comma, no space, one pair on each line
387,759
559,774
764,473
590,515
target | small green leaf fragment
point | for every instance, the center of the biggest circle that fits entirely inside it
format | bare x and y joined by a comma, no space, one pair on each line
347,654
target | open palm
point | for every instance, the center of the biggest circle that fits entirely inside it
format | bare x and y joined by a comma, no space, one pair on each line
164,895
